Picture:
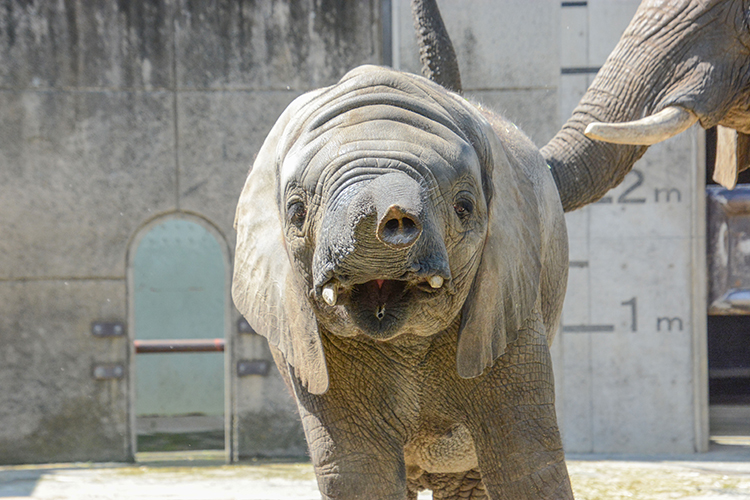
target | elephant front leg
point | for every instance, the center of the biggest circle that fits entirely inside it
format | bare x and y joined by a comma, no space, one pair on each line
531,463
516,435
353,457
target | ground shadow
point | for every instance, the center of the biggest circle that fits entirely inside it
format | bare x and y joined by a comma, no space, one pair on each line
16,482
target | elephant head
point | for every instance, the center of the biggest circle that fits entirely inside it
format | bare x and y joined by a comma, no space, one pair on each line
376,207
678,62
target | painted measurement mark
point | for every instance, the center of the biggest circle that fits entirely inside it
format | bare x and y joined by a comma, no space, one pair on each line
588,328
663,323
668,323
633,182
625,196
585,328
606,328
667,192
634,313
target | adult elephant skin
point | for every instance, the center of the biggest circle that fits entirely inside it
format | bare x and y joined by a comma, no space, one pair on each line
404,252
678,62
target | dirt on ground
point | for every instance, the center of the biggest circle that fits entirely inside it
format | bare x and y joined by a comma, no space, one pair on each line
721,474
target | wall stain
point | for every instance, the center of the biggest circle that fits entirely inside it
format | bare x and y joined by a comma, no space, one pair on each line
80,430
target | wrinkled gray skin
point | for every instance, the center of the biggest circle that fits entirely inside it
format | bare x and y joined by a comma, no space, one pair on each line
690,53
435,230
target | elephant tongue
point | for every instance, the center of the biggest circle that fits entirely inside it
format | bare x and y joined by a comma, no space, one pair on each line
380,283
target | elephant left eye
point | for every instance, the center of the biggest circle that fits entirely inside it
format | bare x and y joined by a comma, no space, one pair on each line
463,208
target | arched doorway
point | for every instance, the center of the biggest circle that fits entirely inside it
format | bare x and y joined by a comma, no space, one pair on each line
178,291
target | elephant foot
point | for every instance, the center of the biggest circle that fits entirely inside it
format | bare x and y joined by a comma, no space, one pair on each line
458,486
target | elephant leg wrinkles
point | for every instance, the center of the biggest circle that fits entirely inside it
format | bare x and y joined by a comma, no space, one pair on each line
354,461
377,407
520,424
357,430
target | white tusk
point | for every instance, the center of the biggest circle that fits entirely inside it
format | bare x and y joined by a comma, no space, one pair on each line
329,294
644,132
435,281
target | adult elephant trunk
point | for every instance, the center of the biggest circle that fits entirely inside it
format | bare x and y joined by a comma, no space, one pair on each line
679,61
584,168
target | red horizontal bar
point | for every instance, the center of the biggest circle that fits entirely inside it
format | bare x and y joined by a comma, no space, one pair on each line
182,345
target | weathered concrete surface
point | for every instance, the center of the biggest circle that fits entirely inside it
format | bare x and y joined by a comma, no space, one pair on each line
126,111
267,421
723,473
633,389
510,45
508,53
79,173
78,44
51,407
274,45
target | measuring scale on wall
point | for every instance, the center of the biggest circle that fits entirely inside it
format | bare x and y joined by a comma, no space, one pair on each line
630,354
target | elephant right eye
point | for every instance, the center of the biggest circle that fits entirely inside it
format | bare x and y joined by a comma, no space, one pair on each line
463,208
296,213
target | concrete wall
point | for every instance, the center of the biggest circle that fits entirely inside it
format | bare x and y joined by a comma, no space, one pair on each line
113,115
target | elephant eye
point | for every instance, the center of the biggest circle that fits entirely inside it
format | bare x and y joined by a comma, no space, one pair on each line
463,208
296,213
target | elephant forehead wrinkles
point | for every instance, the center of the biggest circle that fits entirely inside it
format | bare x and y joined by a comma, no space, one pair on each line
438,156
332,109
437,168
386,97
337,181
395,101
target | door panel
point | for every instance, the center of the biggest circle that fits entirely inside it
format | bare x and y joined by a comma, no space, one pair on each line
179,293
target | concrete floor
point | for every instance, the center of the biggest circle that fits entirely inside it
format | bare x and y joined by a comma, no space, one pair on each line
722,474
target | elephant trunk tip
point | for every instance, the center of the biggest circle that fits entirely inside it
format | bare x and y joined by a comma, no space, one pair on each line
398,227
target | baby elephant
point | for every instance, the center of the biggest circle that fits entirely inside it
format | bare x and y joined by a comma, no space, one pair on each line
404,252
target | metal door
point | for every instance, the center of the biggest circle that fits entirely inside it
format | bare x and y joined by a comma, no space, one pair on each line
179,292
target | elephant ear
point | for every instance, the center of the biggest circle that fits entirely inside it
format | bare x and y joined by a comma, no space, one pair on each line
265,288
506,285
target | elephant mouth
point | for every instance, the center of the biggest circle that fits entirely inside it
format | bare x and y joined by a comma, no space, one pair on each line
379,306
